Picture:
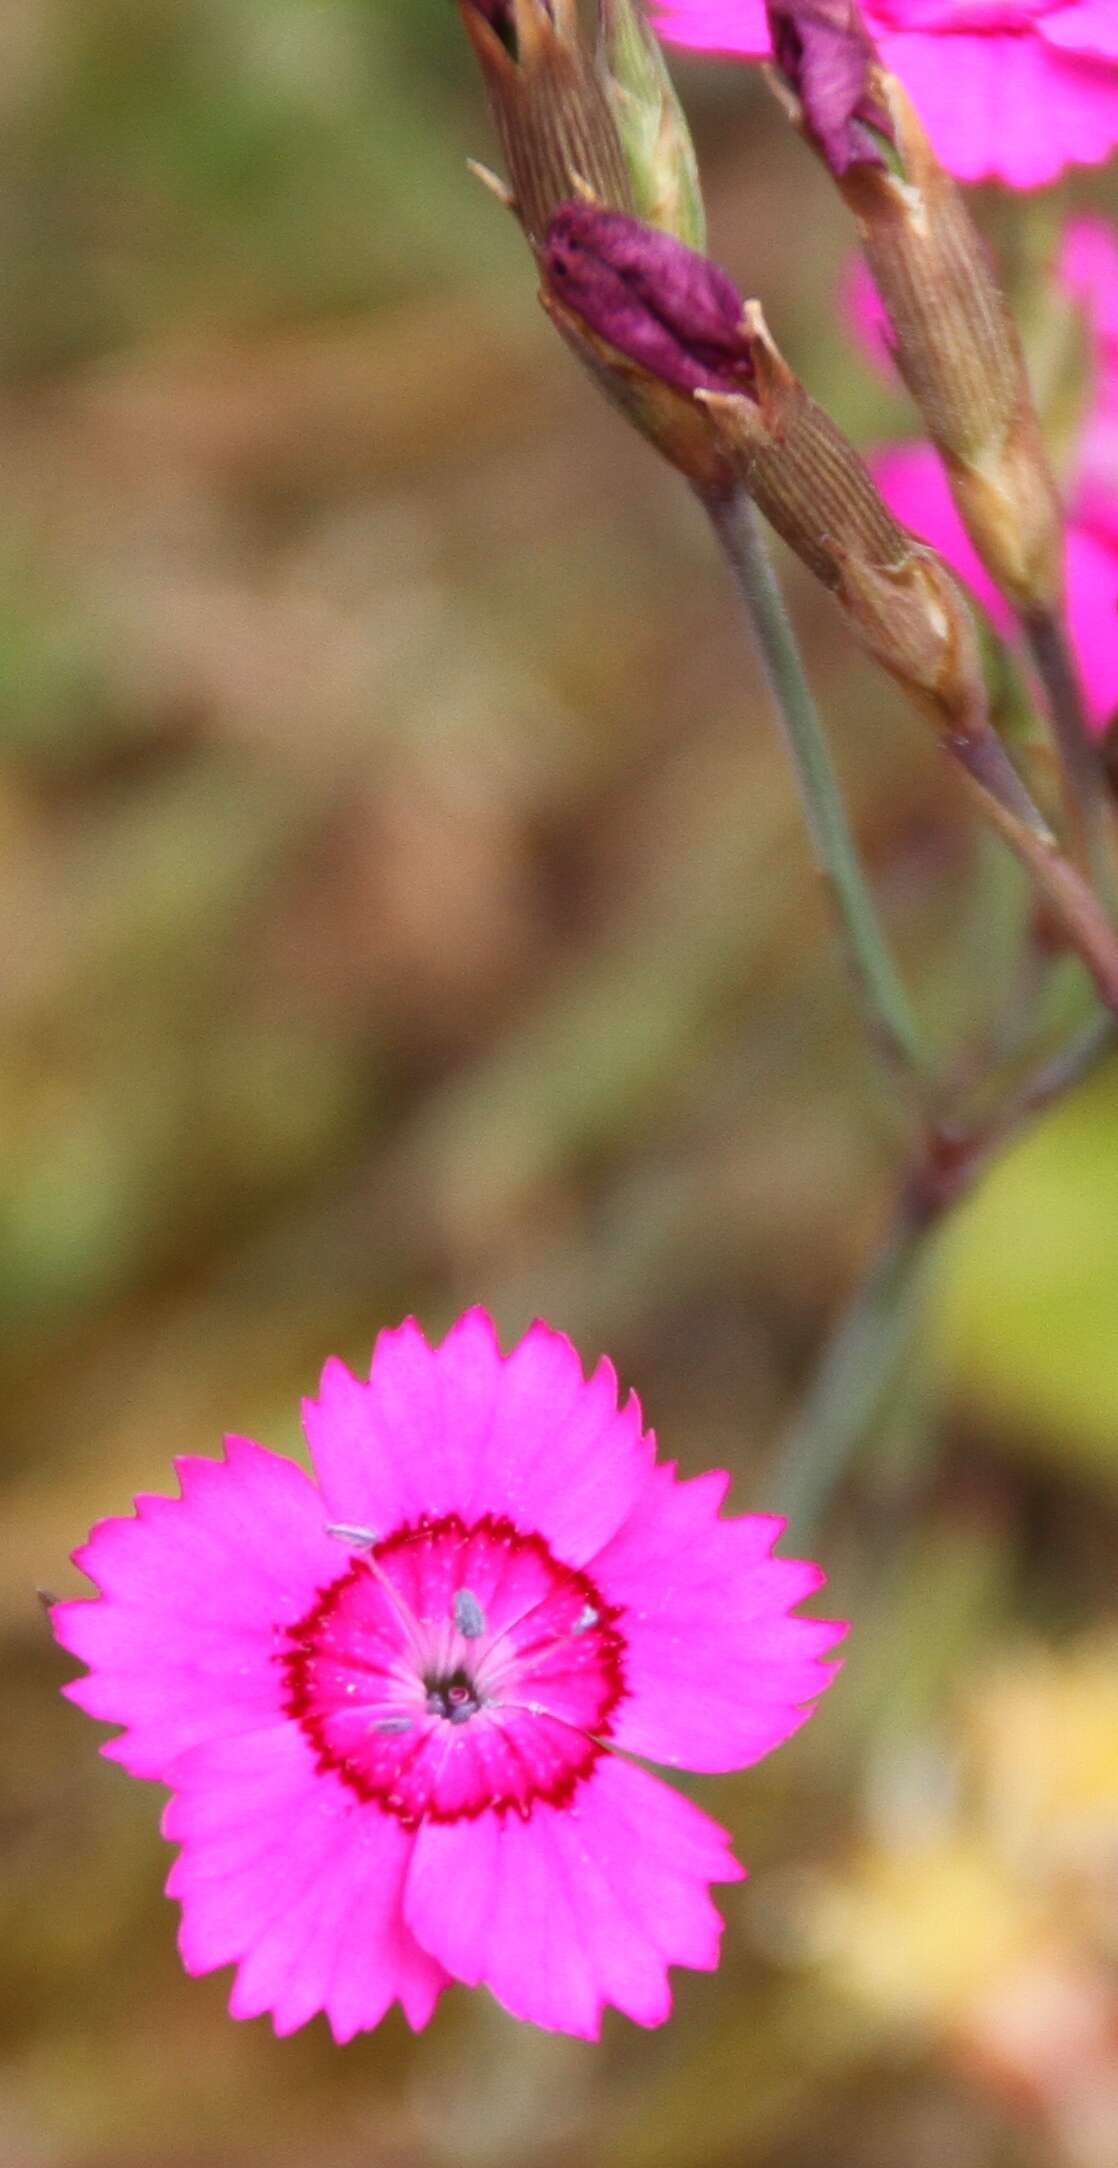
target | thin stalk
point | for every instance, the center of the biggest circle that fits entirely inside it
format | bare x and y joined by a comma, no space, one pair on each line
1082,774
1043,1085
853,1380
1073,904
862,1358
885,1003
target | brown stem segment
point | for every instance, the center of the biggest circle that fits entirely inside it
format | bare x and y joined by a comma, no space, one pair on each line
1071,901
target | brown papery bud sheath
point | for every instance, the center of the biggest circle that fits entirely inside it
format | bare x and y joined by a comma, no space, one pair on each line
668,336
959,353
550,105
955,342
898,596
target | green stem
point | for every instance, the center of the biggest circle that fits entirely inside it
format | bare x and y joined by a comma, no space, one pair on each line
1006,803
1043,1085
860,1363
1082,773
1072,902
885,1003
850,1386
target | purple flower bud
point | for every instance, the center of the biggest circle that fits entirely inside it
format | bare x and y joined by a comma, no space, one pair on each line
824,52
649,296
501,17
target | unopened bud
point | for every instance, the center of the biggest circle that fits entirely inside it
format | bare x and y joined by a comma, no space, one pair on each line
655,138
955,342
654,322
693,365
659,302
897,595
549,102
823,57
500,14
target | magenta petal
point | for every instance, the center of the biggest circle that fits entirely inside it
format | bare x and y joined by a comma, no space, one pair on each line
1086,27
1007,93
716,1670
912,481
1093,617
1006,108
737,27
196,1592
575,1908
865,316
1088,267
461,1428
285,1874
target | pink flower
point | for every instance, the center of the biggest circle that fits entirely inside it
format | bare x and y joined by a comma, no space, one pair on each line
913,482
1012,90
395,1704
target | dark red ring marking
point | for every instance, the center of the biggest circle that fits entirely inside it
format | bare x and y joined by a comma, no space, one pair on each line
304,1639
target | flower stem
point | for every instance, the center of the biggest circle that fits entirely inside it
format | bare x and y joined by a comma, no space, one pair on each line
862,1358
1083,783
1073,904
853,1379
886,1007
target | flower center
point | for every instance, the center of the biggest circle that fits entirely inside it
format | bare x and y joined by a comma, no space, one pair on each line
451,1669
455,1698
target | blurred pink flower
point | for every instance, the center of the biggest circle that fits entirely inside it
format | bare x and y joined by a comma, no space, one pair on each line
404,1762
913,481
1011,90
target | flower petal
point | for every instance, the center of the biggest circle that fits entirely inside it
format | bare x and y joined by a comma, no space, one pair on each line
1016,98
737,27
717,1673
1088,267
865,316
196,1593
286,1874
1006,108
1093,617
913,483
463,1429
577,1907
1086,27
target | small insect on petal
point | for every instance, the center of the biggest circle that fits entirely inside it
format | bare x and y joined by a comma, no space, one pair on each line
468,1615
358,1539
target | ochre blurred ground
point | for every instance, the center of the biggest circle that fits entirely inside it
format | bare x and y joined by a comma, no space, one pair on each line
406,905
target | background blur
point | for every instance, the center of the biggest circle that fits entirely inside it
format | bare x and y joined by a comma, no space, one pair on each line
405,904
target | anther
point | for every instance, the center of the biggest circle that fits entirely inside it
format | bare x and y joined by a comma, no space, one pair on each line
587,1618
468,1614
358,1539
392,1724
